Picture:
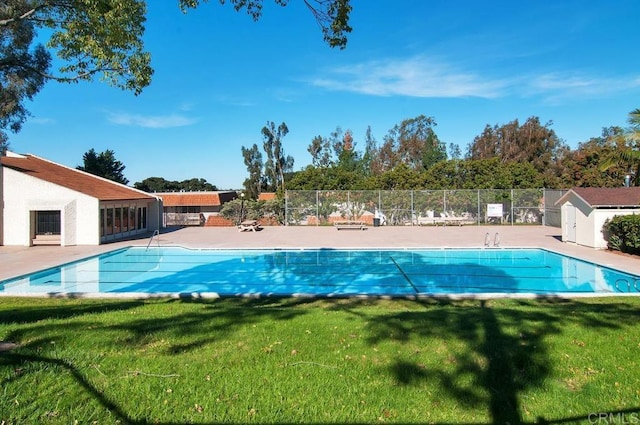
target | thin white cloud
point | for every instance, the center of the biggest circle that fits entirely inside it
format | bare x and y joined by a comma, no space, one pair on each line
416,77
420,76
150,121
562,85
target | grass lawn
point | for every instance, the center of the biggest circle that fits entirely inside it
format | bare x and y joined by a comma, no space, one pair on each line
174,361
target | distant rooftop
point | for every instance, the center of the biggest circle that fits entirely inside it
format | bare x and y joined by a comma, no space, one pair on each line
79,181
192,199
606,196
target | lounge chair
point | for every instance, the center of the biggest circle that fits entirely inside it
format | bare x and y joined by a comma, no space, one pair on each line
252,225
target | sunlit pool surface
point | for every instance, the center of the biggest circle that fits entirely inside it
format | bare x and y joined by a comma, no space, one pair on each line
324,272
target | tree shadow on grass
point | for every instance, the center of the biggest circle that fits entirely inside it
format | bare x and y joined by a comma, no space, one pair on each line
214,320
211,320
30,312
508,337
509,341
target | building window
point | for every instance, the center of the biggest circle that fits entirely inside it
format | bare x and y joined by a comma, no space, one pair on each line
102,222
132,217
109,221
47,222
142,218
125,220
117,223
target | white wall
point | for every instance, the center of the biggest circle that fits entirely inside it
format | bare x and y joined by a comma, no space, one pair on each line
599,217
1,206
589,222
24,193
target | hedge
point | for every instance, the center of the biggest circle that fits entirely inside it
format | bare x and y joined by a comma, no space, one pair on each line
622,233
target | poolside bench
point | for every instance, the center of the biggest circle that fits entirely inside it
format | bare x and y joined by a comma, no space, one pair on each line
349,224
444,221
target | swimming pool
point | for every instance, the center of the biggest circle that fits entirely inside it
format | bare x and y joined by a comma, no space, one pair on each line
138,271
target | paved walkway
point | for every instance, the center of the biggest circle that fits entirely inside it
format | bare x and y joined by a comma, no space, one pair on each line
15,261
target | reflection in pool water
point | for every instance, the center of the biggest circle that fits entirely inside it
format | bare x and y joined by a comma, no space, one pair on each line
325,272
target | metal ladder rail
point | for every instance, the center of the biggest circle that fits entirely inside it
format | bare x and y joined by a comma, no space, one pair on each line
486,239
496,239
626,282
155,233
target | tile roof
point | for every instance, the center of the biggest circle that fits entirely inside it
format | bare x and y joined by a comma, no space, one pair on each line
606,196
79,181
190,199
266,196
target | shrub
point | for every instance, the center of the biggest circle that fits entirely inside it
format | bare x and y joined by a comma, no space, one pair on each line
273,210
622,233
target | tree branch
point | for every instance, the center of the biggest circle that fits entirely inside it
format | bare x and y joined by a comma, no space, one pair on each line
80,76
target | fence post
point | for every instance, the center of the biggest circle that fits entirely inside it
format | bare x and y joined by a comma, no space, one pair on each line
412,208
444,200
512,207
544,209
286,208
479,207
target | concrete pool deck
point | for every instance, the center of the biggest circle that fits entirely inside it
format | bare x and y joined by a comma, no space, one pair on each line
16,261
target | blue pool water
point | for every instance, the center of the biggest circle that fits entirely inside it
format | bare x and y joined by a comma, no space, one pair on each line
326,272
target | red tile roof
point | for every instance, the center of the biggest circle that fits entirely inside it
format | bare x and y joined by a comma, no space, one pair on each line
266,196
189,199
79,181
606,197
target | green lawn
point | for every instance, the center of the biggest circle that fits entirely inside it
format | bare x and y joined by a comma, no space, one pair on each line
170,361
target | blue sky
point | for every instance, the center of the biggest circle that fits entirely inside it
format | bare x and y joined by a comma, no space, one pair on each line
220,77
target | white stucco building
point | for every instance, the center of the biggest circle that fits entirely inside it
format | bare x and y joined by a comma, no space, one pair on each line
47,203
584,211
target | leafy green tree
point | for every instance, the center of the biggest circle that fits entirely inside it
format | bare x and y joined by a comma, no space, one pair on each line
253,160
631,152
530,142
91,37
4,144
584,166
196,185
348,158
454,151
104,165
22,72
331,15
102,38
402,177
333,178
414,143
489,173
370,150
634,120
154,184
276,164
159,184
320,151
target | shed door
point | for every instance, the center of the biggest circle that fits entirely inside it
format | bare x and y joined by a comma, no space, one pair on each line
571,223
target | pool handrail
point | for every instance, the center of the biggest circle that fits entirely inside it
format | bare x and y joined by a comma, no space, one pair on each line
155,233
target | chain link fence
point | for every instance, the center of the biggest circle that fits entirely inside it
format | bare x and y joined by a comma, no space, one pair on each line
423,207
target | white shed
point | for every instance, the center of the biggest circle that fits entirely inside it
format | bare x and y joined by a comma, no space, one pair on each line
584,211
42,202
